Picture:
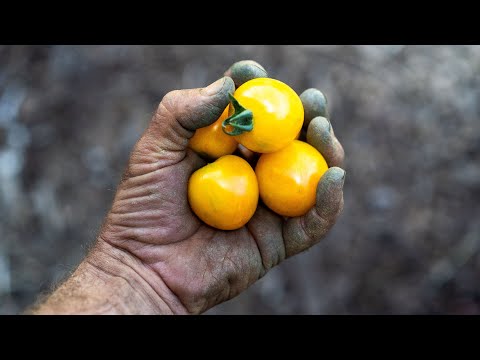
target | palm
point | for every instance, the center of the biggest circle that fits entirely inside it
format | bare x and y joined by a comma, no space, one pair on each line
220,263
151,217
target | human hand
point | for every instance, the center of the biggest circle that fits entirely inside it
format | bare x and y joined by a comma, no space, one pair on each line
153,240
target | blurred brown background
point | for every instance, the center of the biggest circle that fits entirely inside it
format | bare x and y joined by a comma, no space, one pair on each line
408,117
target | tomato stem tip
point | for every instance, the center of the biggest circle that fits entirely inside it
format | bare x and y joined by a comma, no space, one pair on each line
241,121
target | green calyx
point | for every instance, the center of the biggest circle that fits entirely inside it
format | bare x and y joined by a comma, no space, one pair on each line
241,121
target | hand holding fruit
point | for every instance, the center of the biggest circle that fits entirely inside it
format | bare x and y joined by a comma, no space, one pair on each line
151,218
172,261
265,116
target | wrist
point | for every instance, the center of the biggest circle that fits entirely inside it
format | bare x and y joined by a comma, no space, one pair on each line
134,288
111,281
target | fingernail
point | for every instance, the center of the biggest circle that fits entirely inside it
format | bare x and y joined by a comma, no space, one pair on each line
215,87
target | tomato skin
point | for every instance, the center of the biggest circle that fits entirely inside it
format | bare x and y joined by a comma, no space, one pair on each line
277,114
288,178
224,194
211,142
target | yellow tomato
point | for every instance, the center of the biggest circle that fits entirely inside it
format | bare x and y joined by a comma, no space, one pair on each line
265,115
211,141
224,194
288,179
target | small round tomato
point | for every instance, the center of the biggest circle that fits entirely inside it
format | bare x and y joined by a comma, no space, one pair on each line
210,141
224,194
265,115
288,179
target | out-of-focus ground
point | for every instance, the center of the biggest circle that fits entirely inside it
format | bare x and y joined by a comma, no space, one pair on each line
408,116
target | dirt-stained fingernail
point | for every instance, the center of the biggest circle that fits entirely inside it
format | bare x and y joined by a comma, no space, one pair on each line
215,87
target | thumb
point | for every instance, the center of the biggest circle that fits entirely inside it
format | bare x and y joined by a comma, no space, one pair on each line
194,108
179,114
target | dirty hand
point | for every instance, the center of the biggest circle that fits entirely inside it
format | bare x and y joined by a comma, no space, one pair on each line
153,255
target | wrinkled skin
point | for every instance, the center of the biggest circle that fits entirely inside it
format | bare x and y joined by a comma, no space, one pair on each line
197,266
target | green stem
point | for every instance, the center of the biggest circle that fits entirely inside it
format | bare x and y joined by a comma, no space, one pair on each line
241,121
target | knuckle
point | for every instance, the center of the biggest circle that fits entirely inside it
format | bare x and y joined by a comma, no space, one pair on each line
318,223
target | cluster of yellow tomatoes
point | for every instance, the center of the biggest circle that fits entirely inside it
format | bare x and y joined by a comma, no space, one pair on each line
265,116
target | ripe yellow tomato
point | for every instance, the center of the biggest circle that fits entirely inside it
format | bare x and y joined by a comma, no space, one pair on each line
265,115
288,179
224,194
210,141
